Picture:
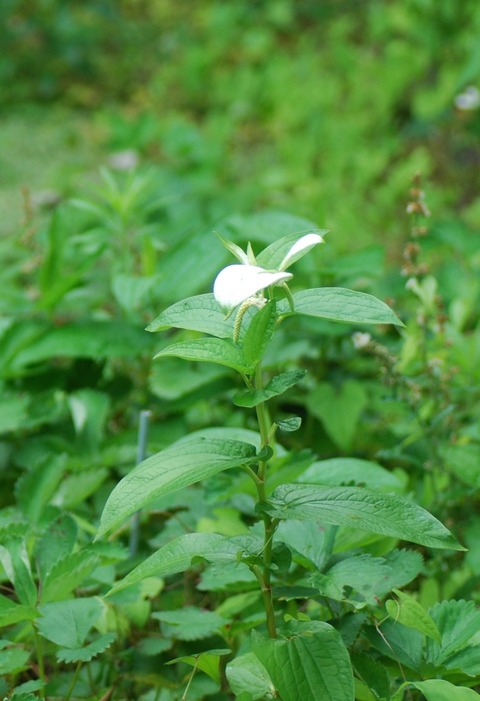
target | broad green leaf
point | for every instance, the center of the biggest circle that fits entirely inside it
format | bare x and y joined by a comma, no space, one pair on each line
338,409
276,386
178,555
87,653
178,466
441,690
246,674
200,313
340,304
76,488
259,333
312,542
373,673
338,471
290,425
410,613
359,573
13,412
67,623
190,623
311,664
387,514
272,256
400,644
209,350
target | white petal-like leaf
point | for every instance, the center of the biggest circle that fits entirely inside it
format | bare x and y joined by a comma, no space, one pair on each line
236,283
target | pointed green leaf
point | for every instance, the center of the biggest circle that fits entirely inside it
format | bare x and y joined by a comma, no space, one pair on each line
311,664
337,471
11,612
277,385
200,313
15,562
67,574
458,621
209,350
177,555
410,613
190,623
259,334
340,304
272,256
387,514
180,465
441,690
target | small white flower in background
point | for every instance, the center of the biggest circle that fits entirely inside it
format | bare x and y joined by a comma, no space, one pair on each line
361,339
468,100
237,284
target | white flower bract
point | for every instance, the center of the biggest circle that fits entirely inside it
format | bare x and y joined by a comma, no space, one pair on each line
236,283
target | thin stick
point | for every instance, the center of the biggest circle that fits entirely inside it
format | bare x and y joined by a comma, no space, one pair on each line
141,454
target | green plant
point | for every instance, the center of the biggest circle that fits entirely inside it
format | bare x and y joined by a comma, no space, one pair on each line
293,559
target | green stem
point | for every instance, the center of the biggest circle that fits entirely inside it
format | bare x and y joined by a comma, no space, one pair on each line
41,665
263,575
74,681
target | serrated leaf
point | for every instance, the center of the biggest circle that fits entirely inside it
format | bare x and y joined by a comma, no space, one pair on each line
410,613
177,556
360,573
386,514
246,674
67,574
67,623
200,313
441,690
13,660
87,653
180,465
311,664
340,304
55,543
259,333
190,623
277,385
209,350
457,621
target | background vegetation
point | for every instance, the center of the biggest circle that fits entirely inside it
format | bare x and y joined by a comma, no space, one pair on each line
129,132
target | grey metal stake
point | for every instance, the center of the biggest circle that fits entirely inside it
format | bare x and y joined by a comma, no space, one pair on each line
141,455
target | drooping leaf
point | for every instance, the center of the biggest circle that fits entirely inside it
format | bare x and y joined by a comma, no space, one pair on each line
67,623
209,350
246,674
340,304
277,385
387,514
87,653
177,556
180,465
311,664
442,690
410,613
